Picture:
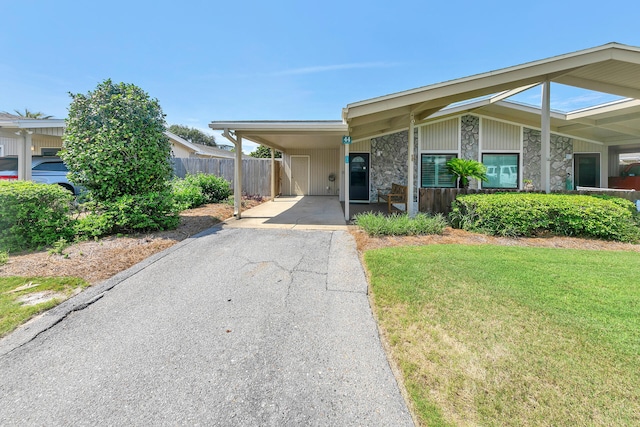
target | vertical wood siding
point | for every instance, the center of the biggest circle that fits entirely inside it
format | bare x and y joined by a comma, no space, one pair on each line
496,135
256,173
443,135
10,146
361,146
321,163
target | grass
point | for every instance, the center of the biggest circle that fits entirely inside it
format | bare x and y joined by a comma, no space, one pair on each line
378,224
13,313
493,335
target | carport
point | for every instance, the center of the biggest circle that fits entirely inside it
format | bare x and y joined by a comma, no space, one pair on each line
286,137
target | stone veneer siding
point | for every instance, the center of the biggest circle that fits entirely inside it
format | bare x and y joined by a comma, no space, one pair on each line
560,166
470,141
389,162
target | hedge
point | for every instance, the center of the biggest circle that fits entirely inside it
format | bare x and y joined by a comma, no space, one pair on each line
33,215
531,214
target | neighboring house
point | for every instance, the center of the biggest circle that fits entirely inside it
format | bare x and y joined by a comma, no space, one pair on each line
407,137
182,148
43,137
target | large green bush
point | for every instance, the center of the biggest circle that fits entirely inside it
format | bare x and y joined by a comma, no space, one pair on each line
131,214
215,189
33,215
114,142
530,214
186,194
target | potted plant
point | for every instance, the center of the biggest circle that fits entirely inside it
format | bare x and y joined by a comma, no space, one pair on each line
465,169
528,185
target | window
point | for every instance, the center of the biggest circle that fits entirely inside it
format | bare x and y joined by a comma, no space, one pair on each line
51,166
434,171
502,170
1,150
50,151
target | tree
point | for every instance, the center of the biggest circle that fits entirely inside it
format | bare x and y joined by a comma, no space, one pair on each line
463,169
31,114
263,152
114,142
193,135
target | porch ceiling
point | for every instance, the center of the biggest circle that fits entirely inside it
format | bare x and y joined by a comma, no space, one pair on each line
287,135
616,123
612,68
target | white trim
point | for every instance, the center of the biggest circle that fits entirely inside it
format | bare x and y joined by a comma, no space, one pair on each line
521,157
480,125
520,167
435,153
308,157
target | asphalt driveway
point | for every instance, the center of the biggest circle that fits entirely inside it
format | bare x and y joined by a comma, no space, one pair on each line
235,327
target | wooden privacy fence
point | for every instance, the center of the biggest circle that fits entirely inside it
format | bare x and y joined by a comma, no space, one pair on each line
438,200
256,173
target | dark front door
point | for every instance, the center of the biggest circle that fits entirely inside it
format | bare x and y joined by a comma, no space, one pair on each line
587,170
359,177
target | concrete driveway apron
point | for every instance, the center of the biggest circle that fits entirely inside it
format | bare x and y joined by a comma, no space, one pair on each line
234,327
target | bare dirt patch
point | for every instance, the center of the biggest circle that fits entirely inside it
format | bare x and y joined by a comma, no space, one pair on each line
96,261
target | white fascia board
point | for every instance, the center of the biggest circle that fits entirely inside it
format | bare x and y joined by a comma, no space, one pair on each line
32,123
603,109
527,73
282,126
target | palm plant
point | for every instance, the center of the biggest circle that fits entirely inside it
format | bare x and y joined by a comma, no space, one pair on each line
31,114
465,169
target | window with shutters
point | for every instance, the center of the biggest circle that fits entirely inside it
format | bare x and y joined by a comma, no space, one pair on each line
434,171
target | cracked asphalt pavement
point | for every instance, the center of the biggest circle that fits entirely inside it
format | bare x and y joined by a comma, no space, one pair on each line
234,327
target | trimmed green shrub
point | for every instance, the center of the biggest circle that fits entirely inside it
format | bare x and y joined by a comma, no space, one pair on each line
214,188
114,142
377,224
530,214
33,215
187,194
131,214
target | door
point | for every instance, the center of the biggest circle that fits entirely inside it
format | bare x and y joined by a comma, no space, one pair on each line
586,168
359,177
299,176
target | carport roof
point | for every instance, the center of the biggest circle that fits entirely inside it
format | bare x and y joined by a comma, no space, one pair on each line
286,135
612,68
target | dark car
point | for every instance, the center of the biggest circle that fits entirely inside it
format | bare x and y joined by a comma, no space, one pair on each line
45,170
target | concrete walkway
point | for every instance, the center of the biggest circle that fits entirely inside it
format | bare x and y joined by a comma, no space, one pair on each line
295,212
238,327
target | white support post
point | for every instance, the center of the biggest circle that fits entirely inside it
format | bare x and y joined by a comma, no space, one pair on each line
346,182
25,155
29,155
237,193
410,168
273,174
545,137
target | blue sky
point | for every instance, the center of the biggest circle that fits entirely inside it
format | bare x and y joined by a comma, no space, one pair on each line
285,60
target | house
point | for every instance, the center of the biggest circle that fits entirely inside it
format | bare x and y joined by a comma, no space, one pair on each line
407,137
181,148
25,138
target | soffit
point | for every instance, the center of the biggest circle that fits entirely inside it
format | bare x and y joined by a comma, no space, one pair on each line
612,68
288,135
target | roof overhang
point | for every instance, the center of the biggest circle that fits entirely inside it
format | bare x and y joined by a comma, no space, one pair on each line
287,135
612,68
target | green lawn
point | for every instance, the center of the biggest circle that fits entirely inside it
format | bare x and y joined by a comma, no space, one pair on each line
13,312
494,335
